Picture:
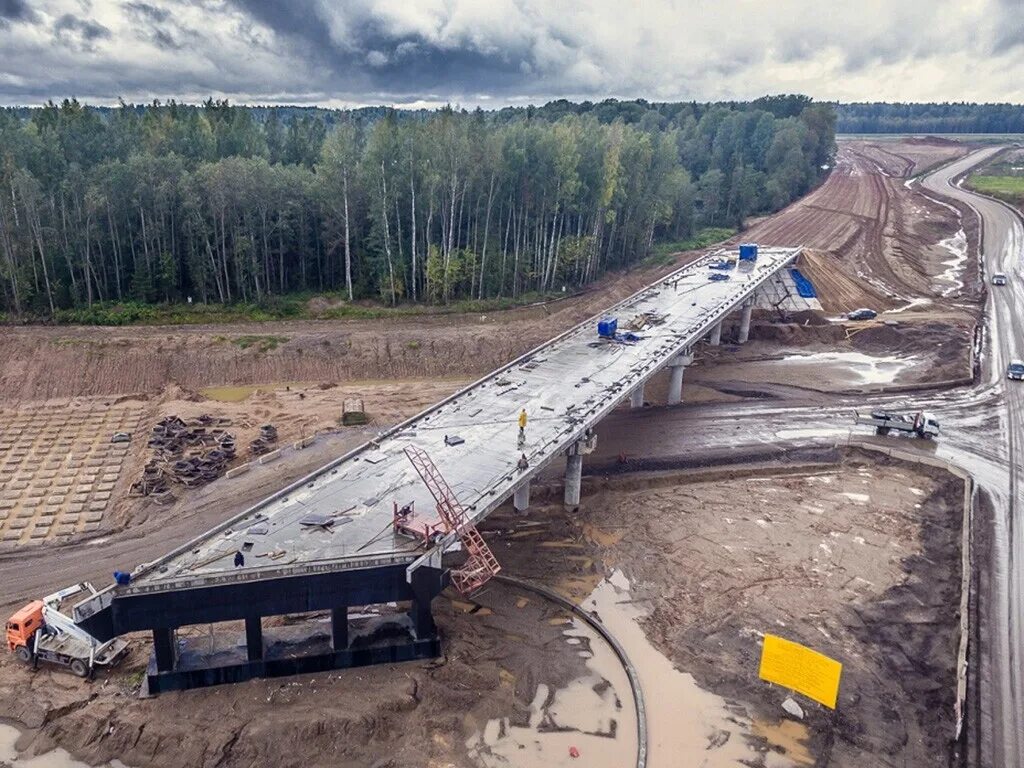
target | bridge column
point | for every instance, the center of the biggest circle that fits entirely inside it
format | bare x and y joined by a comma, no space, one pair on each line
339,628
748,308
164,648
716,334
636,397
427,583
254,638
676,369
521,499
573,474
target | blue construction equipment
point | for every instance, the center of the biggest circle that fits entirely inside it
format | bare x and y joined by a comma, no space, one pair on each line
718,277
748,252
607,327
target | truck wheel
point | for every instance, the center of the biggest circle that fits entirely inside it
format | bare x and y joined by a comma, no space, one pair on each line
79,668
23,654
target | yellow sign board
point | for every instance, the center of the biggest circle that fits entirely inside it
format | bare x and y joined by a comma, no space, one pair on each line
796,666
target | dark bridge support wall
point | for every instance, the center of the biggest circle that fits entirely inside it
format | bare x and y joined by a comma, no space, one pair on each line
254,638
164,648
392,639
339,628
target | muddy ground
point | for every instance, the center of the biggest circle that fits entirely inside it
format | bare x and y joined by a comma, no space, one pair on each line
874,242
858,560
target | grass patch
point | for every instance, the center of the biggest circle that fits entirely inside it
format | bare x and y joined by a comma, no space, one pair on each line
293,306
1009,188
261,343
663,253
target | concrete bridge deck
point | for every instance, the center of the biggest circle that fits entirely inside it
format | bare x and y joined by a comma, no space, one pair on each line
327,542
566,386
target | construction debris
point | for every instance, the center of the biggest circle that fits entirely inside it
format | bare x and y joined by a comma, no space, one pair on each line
263,444
353,413
645,320
191,453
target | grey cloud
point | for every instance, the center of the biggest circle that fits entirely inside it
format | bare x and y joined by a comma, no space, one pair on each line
1009,26
80,33
147,11
158,25
386,60
16,10
508,51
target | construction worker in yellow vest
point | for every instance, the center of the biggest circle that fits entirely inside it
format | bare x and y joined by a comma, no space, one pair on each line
522,426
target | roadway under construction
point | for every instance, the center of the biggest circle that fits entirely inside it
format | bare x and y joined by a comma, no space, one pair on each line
371,527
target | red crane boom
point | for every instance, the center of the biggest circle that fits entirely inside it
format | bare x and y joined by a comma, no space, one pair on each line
481,564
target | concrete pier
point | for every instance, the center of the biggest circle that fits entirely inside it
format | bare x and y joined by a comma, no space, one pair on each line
716,335
521,497
676,369
636,397
573,476
748,308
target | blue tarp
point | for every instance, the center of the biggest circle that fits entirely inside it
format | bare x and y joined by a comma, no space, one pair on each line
803,285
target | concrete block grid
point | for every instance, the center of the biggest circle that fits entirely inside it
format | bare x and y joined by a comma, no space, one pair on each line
58,468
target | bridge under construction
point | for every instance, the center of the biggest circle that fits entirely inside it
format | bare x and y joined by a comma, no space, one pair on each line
371,527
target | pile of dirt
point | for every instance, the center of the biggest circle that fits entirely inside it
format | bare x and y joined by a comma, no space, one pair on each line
874,241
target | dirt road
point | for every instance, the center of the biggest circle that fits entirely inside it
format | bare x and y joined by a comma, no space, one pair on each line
876,241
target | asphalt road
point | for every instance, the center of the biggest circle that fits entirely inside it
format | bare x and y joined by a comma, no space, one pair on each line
1002,251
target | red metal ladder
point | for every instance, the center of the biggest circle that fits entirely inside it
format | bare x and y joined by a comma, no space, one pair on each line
481,564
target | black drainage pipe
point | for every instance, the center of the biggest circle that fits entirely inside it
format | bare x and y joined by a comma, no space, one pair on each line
597,626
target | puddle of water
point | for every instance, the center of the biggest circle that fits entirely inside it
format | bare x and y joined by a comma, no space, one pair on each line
919,302
687,725
956,245
593,714
58,758
787,735
866,369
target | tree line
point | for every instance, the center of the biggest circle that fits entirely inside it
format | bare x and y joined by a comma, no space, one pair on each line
959,117
219,203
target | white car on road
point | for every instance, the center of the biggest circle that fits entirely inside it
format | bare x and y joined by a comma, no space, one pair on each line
1015,370
999,278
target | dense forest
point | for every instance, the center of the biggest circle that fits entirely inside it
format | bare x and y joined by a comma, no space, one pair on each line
224,204
930,118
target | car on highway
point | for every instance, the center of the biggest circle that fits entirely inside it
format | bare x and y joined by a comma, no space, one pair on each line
862,314
1015,370
999,278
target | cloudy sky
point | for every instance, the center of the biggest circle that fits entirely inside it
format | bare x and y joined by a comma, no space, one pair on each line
496,52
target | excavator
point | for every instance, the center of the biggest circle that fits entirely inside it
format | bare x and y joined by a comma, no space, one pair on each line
40,632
